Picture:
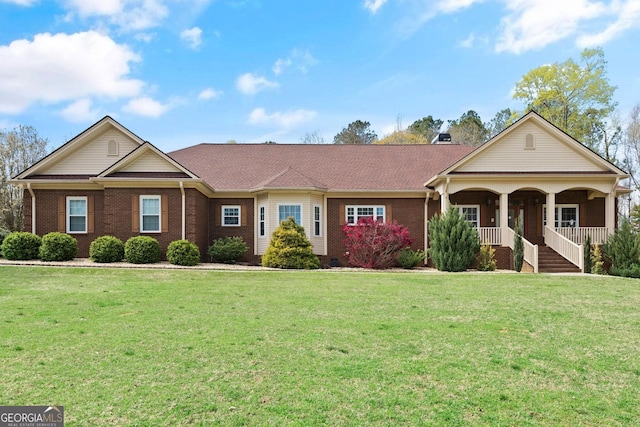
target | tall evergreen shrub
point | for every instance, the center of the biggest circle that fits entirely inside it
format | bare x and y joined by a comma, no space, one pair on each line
518,247
454,242
623,250
289,248
587,254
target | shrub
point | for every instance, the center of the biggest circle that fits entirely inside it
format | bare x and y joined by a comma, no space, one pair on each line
58,247
21,245
290,248
228,250
454,242
623,250
106,249
142,250
587,254
596,264
408,258
374,244
487,258
518,247
3,233
183,252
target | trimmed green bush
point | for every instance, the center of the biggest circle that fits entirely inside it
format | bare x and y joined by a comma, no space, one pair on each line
290,248
487,258
142,250
106,249
58,247
183,252
408,258
21,245
3,233
454,242
228,250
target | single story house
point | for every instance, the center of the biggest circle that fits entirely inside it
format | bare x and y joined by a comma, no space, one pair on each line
108,180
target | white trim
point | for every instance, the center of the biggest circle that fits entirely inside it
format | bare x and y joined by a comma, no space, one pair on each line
223,216
477,207
356,217
558,220
262,220
68,214
142,214
317,209
290,204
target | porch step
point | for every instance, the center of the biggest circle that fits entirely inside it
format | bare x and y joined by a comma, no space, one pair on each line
549,261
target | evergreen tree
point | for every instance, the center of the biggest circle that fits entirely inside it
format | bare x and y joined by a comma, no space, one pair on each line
454,242
587,254
518,247
623,250
289,248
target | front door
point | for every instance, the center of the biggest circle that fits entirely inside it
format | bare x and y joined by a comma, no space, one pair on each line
516,212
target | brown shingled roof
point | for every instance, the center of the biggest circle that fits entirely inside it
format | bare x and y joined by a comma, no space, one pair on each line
334,167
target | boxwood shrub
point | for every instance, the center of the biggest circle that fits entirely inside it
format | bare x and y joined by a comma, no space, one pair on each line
183,252
21,245
142,250
227,250
106,249
58,247
3,233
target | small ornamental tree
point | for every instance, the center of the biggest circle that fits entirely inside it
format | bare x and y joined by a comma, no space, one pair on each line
597,264
587,254
487,258
374,244
454,242
518,247
290,248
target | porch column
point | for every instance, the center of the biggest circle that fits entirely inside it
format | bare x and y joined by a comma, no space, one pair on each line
426,226
551,210
444,203
504,218
610,213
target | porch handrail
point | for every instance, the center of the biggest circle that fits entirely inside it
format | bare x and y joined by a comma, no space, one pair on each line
577,235
530,250
565,247
490,235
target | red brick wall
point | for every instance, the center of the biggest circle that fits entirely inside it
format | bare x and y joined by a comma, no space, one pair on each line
246,229
197,227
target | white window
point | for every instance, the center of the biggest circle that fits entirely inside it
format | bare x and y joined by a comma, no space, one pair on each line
317,223
471,214
285,211
354,213
262,220
76,215
566,216
231,216
150,214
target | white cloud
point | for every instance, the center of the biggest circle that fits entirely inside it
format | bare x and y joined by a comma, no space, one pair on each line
250,84
627,16
86,8
131,15
62,67
146,106
286,120
192,36
145,37
374,5
300,60
533,25
449,6
280,66
468,42
79,111
19,2
209,93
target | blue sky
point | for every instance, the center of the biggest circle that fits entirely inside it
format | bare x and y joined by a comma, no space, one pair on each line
182,72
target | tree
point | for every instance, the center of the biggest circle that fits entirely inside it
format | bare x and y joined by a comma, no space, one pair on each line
312,138
19,148
374,244
518,247
623,250
631,143
427,127
403,137
357,132
468,130
290,248
502,120
573,96
454,242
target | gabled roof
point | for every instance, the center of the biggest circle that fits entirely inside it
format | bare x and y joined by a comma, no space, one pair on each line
76,144
147,160
249,167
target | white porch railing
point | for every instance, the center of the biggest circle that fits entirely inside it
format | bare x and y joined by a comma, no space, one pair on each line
578,235
490,235
530,250
565,247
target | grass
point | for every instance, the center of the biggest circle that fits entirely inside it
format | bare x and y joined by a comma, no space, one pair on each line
167,348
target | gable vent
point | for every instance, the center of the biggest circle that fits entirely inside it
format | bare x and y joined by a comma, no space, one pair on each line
529,142
112,148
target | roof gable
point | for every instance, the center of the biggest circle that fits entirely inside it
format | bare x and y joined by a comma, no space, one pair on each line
89,153
146,159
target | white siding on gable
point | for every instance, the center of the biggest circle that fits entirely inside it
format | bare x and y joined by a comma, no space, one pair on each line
149,162
549,154
93,157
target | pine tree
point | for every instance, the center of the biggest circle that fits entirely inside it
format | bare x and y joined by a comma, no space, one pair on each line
587,254
518,247
454,242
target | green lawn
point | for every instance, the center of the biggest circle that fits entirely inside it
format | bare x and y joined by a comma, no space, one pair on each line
176,347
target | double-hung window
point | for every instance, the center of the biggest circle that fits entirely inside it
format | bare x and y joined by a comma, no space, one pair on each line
150,214
354,213
285,211
76,215
471,214
317,224
231,216
262,221
566,216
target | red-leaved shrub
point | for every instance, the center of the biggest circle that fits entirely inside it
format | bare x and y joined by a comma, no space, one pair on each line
375,244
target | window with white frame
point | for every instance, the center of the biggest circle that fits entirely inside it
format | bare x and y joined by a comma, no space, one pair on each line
285,211
317,224
262,224
150,214
470,213
76,215
354,213
231,216
566,216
